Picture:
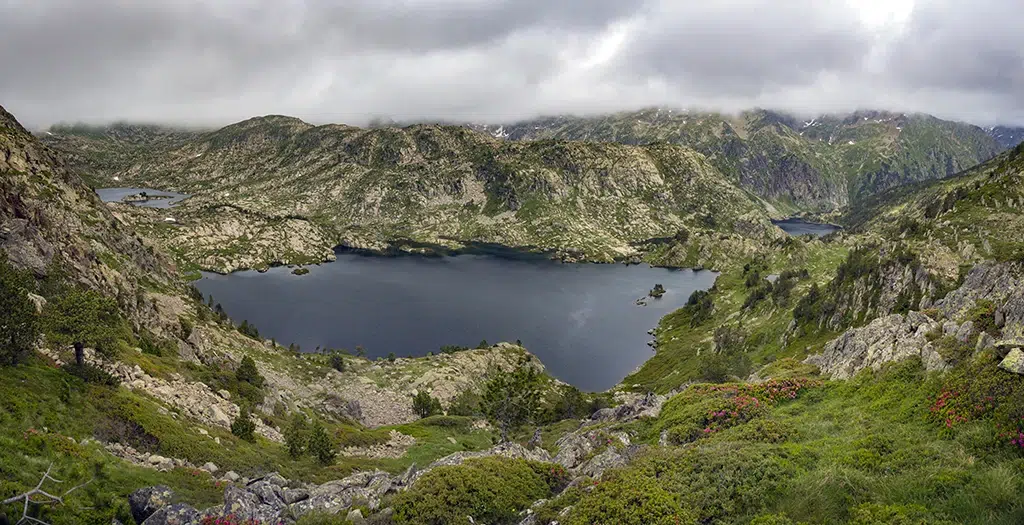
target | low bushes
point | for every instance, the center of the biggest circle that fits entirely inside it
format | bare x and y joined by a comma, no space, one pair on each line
704,410
490,490
709,484
980,391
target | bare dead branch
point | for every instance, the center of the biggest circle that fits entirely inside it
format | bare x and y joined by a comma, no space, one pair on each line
50,499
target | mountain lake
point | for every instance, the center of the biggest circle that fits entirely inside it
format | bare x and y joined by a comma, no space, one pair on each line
798,227
581,320
166,198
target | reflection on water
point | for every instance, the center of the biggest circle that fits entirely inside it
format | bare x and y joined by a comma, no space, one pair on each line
118,194
580,319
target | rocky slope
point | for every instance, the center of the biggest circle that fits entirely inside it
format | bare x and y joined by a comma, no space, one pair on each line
1007,137
440,186
820,164
961,220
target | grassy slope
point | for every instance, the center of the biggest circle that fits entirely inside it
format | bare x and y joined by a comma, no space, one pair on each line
677,356
980,208
838,453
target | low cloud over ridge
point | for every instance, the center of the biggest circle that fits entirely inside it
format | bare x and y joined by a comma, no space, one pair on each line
211,63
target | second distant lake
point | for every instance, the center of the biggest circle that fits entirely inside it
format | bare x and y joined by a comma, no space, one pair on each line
797,227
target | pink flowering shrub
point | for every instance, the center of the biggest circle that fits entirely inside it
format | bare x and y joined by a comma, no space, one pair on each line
703,410
979,391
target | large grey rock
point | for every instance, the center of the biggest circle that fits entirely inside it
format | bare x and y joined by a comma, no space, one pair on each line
241,503
886,339
269,494
1000,283
334,496
647,405
294,495
144,502
1013,362
965,333
597,465
177,514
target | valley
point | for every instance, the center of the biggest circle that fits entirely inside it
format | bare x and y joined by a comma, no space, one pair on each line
879,363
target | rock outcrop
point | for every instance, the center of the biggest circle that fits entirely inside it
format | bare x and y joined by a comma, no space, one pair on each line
891,338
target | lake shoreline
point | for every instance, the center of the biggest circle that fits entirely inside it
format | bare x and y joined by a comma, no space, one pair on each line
566,314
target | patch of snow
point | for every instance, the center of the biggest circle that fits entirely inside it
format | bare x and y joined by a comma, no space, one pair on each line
851,143
48,133
117,178
169,219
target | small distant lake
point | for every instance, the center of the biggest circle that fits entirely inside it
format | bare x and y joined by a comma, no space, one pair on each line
798,227
117,194
582,320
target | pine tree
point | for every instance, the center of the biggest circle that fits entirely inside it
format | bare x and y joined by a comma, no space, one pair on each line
320,445
296,436
511,399
247,372
244,427
84,318
19,323
425,405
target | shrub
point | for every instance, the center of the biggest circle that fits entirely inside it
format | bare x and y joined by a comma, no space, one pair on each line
491,490
91,374
878,514
150,344
424,405
248,330
571,404
337,362
761,292
186,327
19,323
321,518
244,427
729,357
467,403
714,483
983,315
765,431
320,445
511,399
700,306
979,390
295,436
704,410
451,349
630,499
248,373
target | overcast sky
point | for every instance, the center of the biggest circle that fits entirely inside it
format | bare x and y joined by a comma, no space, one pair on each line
214,62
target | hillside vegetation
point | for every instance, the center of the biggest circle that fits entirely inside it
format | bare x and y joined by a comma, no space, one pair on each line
428,187
821,164
870,376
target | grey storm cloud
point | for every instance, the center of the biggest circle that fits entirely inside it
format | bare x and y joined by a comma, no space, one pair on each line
214,62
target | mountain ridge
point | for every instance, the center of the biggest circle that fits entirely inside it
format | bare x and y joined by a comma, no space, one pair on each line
367,188
785,159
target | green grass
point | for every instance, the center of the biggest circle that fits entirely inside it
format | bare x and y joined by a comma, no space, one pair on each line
680,345
46,414
841,452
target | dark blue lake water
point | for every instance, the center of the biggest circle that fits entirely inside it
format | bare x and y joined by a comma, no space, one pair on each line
116,194
582,320
797,227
